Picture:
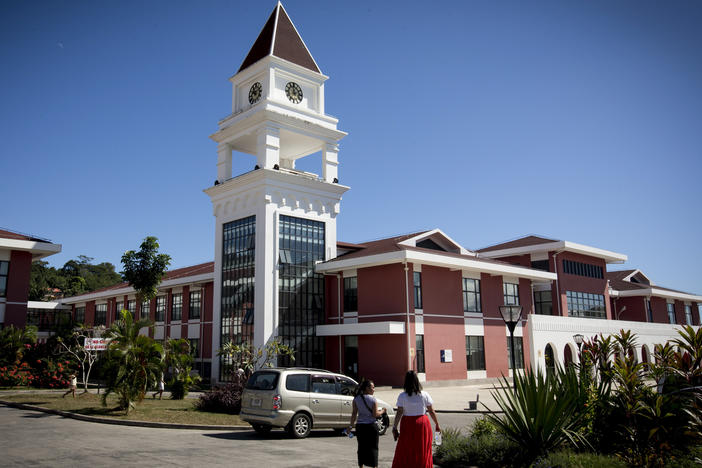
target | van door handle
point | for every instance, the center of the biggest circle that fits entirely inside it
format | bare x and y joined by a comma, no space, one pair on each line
347,403
315,401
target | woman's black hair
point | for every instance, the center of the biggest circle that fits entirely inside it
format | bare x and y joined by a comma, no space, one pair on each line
412,384
363,386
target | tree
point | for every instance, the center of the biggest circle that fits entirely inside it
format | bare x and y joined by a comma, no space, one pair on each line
145,269
247,357
180,360
14,343
134,361
76,347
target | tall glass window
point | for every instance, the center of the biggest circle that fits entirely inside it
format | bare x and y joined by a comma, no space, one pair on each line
542,303
417,277
177,306
518,352
161,309
419,347
80,315
688,314
131,307
118,310
301,290
511,293
471,295
351,294
145,309
586,305
671,312
195,305
100,314
238,275
475,353
4,272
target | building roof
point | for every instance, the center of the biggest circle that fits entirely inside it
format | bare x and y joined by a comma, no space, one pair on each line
7,234
533,244
38,247
621,285
280,38
521,242
171,276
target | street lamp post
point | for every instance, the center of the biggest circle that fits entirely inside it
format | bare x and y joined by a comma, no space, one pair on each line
578,338
511,314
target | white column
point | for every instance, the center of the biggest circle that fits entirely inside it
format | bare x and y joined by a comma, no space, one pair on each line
268,147
224,162
330,162
216,300
266,290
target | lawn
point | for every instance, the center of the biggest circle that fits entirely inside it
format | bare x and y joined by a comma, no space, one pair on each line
90,404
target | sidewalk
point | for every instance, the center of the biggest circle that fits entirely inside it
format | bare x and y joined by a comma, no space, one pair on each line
451,398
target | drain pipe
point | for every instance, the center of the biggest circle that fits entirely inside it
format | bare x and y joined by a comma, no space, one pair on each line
407,315
558,291
338,312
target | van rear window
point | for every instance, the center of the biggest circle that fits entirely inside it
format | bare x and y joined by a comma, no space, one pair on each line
263,380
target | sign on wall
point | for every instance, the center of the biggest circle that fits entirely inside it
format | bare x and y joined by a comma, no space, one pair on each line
446,355
97,344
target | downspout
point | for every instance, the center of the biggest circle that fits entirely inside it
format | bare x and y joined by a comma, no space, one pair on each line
558,290
338,312
407,315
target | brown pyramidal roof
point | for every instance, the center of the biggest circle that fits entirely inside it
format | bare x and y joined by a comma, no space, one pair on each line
521,242
6,234
280,38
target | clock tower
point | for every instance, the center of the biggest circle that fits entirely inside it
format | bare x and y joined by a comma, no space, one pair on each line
274,222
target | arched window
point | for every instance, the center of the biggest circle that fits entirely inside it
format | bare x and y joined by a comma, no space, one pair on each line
550,359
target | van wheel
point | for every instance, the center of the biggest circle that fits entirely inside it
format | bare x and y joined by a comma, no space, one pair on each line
300,426
262,428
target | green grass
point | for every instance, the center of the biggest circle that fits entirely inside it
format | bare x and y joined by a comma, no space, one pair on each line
89,404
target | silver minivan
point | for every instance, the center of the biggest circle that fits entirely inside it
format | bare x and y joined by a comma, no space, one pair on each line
300,399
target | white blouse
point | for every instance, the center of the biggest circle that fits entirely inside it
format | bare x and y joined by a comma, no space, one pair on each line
415,405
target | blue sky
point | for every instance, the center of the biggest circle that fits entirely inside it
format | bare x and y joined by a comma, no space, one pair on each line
577,120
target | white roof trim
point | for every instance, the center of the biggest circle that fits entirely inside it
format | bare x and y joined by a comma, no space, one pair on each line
46,305
129,290
365,328
607,255
38,249
660,293
412,241
634,273
435,259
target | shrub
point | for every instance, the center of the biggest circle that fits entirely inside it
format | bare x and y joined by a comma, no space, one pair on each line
483,426
487,451
225,399
567,459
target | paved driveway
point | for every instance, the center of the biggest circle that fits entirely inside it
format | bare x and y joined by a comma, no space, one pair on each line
31,438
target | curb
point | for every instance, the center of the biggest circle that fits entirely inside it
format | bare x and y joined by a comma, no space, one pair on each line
119,422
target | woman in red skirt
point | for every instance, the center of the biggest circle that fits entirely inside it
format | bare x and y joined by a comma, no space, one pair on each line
413,449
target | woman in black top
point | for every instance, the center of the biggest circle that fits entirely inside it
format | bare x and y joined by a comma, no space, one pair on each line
365,411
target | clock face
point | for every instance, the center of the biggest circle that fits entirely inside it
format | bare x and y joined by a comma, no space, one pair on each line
255,92
293,92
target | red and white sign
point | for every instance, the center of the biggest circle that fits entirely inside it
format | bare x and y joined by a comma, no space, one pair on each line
97,344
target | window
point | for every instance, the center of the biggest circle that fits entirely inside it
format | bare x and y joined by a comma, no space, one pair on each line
351,294
80,315
582,269
4,272
688,314
417,290
145,309
518,352
323,384
346,386
511,293
301,291
194,347
263,380
298,382
176,306
160,308
542,303
131,307
586,305
118,310
419,351
699,312
649,312
540,265
475,353
471,295
671,312
100,314
194,312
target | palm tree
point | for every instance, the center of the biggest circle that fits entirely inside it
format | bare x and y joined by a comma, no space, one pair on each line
134,361
13,341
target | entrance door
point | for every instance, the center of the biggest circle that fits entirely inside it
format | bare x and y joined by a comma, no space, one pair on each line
351,356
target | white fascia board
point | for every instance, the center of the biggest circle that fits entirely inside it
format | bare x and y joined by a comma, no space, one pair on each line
45,305
365,328
426,258
38,249
661,293
206,277
606,255
412,241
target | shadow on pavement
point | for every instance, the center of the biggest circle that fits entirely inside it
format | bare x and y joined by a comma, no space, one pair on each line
273,435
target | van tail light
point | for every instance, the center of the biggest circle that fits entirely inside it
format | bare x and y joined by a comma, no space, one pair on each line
277,402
